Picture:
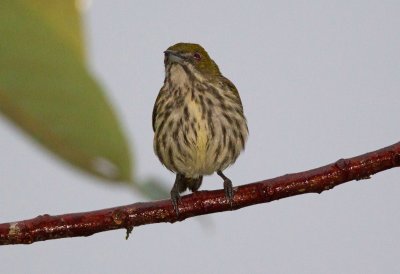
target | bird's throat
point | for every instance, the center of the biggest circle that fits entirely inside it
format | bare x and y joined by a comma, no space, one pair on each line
177,75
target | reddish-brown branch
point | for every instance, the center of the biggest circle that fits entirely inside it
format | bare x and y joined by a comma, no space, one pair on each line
46,227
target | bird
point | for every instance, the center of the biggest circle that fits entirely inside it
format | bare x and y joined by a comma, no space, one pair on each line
198,120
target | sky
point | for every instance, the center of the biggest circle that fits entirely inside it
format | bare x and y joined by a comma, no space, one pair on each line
319,81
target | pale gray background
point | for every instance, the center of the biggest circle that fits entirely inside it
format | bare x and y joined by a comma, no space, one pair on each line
319,81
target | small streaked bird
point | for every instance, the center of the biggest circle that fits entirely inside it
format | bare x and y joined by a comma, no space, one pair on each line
198,120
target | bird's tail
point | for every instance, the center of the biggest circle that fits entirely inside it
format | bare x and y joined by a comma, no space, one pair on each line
190,183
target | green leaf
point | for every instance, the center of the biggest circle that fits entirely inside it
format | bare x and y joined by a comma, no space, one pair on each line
45,87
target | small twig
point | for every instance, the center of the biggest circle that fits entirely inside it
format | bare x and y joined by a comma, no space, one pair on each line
46,227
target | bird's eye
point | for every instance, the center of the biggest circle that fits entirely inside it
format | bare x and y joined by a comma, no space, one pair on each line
197,56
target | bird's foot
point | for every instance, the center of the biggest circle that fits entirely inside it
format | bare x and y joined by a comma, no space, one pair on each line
175,196
175,199
228,188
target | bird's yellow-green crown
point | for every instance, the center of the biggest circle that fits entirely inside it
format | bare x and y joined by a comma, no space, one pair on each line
204,64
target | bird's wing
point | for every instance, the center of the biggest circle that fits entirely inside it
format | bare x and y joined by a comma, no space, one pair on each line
230,86
155,111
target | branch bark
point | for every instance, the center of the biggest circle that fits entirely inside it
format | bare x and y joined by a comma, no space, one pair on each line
46,227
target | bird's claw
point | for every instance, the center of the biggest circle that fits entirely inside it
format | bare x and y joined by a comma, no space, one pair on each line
228,188
175,199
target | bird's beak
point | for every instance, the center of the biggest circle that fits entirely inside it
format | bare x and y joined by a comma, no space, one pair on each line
174,56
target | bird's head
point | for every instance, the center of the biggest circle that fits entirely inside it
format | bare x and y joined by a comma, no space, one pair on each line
194,55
